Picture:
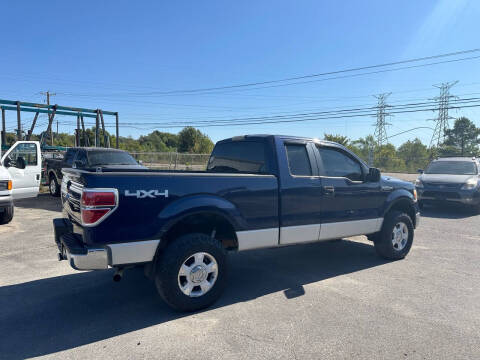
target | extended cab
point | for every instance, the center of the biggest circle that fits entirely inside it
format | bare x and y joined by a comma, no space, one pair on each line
258,191
85,158
20,169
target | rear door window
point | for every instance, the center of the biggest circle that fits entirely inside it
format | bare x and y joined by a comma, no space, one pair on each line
239,157
298,160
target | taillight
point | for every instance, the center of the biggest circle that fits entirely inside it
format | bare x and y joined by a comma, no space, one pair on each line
98,198
97,204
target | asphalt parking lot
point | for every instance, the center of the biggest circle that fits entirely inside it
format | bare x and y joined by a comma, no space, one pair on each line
335,299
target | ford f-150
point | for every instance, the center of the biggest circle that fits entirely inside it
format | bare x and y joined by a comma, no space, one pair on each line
258,191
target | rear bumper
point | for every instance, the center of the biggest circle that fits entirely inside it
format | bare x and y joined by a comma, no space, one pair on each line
94,259
83,257
71,248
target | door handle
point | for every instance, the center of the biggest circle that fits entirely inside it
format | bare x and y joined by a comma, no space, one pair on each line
328,190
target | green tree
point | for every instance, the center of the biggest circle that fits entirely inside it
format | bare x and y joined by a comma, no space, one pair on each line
342,140
364,148
191,140
462,140
414,154
386,158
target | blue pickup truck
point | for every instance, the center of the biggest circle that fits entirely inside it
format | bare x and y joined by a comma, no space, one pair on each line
258,191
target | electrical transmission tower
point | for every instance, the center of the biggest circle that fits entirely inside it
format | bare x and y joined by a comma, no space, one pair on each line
381,124
441,122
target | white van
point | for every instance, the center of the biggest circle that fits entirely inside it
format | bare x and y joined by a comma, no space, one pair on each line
20,171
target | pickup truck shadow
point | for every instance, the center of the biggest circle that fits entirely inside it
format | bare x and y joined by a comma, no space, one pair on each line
42,201
49,315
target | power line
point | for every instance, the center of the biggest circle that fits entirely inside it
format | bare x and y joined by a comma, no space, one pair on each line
356,69
359,110
321,74
347,113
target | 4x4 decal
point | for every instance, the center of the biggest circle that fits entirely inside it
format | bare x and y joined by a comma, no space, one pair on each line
142,194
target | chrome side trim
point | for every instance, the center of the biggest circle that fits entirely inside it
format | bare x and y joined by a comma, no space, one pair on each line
264,238
256,239
94,259
133,252
350,228
299,234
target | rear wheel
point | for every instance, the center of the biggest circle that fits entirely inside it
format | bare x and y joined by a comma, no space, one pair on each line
53,186
7,215
191,272
396,237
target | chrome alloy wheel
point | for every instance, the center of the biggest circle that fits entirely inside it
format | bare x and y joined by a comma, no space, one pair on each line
399,236
198,274
53,187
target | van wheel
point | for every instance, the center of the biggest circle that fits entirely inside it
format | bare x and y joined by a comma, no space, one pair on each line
191,272
396,237
53,186
7,215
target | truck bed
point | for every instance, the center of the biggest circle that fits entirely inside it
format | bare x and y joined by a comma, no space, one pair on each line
149,199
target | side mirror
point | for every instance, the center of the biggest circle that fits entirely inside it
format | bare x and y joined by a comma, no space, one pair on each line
8,162
420,171
374,175
20,163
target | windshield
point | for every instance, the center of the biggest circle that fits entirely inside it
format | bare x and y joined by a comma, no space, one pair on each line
452,168
110,158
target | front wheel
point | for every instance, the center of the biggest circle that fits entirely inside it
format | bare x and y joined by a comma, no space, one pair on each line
191,272
7,215
396,237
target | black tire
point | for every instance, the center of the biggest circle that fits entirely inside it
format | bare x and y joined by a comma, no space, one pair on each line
174,256
6,216
383,243
53,186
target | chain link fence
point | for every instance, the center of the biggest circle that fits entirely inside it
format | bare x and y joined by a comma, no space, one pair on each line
198,162
172,160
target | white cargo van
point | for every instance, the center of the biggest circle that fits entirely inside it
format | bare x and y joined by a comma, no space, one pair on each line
20,171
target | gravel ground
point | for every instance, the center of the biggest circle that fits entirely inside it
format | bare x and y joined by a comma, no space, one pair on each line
330,300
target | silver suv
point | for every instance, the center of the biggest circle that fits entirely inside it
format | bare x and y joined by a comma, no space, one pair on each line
454,179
